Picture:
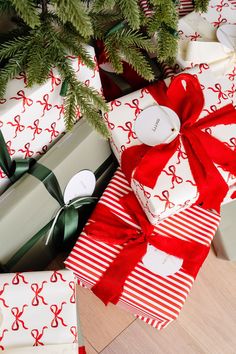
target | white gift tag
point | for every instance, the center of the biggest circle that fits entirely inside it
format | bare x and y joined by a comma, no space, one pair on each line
157,125
80,185
226,35
161,263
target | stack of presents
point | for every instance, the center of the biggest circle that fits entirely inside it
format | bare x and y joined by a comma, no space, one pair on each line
151,230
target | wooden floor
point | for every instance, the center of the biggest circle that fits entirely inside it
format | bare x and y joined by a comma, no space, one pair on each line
207,324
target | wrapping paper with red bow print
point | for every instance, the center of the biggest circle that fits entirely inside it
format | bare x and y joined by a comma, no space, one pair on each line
38,309
155,299
175,187
198,42
31,119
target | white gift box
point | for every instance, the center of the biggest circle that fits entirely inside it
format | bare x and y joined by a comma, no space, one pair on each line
31,119
175,188
198,41
38,313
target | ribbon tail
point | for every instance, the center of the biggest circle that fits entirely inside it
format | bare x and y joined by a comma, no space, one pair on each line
219,152
110,286
225,115
210,184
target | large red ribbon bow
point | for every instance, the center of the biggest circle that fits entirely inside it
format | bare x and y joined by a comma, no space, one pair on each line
185,97
112,229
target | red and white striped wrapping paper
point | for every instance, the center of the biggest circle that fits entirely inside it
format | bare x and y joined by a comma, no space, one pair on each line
154,299
38,313
32,118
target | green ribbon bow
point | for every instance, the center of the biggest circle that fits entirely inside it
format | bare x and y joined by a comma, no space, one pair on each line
16,168
65,223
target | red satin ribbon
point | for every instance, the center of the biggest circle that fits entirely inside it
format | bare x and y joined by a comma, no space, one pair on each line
111,229
185,97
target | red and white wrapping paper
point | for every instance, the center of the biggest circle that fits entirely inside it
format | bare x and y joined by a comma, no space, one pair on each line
175,188
38,313
155,299
31,119
198,42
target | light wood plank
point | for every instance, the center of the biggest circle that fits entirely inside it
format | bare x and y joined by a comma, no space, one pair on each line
89,348
100,324
140,338
209,314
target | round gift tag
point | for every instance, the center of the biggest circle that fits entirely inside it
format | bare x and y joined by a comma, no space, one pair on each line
161,263
80,185
226,35
157,125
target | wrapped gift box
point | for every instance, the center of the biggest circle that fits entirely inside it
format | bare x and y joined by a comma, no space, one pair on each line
175,188
153,298
198,40
27,205
31,119
43,316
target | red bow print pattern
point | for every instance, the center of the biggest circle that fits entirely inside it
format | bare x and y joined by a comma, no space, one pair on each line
219,91
194,37
79,61
36,129
46,105
231,76
25,100
232,91
10,150
181,155
219,7
96,67
72,286
1,293
56,275
61,109
212,109
203,67
44,150
19,277
37,290
3,100
220,21
18,321
22,76
18,127
38,336
1,124
174,177
143,92
135,106
166,199
2,336
114,103
73,331
128,128
53,131
56,310
55,81
232,144
110,125
27,151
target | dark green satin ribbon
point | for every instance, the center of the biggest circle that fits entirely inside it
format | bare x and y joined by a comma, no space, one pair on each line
16,168
65,223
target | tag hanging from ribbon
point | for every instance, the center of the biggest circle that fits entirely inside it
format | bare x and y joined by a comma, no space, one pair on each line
185,97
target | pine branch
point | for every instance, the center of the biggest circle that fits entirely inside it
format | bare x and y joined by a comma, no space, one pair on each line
5,6
26,9
70,109
131,12
201,5
103,5
10,48
74,11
